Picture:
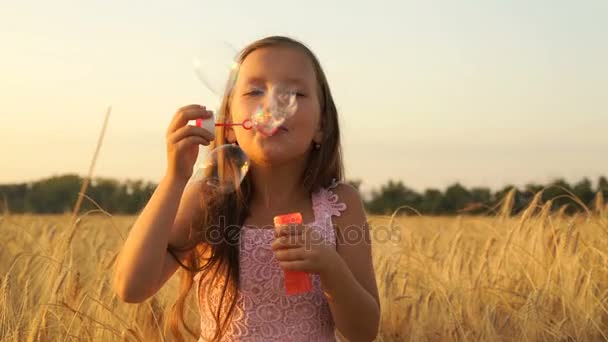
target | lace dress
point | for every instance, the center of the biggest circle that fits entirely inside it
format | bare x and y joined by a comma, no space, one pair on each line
263,311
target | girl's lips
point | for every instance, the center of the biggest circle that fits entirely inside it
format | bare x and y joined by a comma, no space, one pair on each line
276,131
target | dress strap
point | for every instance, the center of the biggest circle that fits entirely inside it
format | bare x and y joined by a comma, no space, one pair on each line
326,201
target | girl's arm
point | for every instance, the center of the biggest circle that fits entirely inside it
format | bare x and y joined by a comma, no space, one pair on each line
351,281
144,264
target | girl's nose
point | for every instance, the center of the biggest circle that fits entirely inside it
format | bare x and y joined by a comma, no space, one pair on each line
266,102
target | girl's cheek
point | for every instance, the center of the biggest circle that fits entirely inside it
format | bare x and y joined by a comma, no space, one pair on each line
248,107
241,111
307,112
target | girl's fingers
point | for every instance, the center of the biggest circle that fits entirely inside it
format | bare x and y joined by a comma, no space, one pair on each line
292,229
287,241
192,140
296,265
290,254
187,113
179,119
188,130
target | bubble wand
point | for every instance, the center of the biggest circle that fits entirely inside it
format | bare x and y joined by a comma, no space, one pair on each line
206,123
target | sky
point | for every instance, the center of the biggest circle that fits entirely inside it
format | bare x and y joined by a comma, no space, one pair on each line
485,93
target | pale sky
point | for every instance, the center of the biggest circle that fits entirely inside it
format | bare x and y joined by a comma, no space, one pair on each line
429,92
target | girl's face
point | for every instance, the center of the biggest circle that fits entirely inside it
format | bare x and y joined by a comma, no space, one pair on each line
261,70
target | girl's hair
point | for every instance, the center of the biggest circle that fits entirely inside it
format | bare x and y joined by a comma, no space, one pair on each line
215,249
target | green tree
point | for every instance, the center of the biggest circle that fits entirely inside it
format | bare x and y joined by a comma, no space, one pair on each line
431,201
107,193
13,197
56,194
392,196
584,191
557,191
456,197
602,185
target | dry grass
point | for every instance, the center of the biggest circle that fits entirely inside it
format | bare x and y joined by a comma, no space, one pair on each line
534,277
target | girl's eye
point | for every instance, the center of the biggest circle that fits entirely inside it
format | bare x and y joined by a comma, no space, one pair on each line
300,95
254,92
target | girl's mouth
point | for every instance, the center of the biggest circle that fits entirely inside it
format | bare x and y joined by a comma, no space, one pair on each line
276,131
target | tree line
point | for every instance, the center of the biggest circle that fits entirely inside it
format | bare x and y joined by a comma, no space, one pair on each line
58,194
457,199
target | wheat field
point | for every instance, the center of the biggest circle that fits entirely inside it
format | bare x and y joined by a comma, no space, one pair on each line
537,276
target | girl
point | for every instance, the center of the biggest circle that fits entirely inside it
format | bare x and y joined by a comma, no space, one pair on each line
226,243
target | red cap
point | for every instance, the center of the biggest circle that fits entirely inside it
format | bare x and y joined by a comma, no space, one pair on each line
291,218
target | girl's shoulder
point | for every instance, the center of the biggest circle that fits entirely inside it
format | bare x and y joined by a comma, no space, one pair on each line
342,200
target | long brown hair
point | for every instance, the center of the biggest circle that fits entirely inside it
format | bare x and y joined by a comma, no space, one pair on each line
215,250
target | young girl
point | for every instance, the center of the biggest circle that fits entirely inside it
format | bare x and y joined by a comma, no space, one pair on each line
226,242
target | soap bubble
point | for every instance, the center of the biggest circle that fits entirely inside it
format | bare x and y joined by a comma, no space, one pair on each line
223,169
216,66
282,104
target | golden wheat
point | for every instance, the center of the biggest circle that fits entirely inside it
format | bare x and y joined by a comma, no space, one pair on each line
537,276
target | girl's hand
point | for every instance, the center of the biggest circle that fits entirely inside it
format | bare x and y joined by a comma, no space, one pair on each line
301,248
183,140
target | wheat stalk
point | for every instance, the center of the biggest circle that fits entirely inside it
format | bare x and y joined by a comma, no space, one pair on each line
86,181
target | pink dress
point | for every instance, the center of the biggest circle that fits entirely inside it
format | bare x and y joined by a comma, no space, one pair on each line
263,311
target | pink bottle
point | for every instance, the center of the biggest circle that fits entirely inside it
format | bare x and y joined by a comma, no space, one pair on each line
295,281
